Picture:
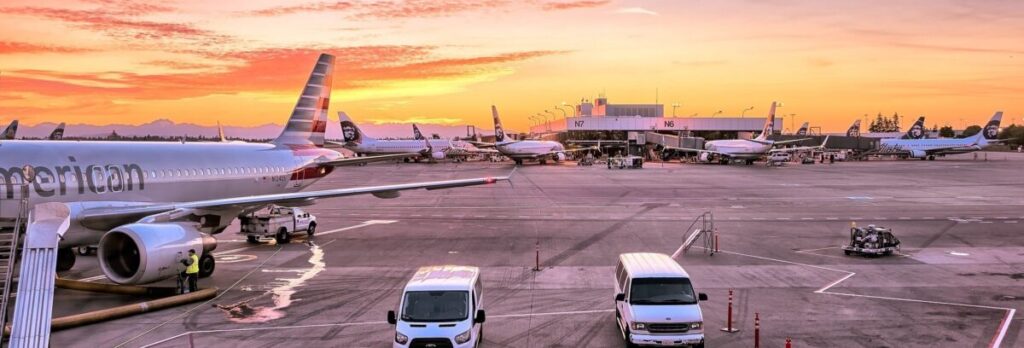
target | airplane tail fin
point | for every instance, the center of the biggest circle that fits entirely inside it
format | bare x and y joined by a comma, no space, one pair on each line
10,132
350,132
58,133
803,129
308,121
854,130
769,124
220,133
416,132
990,133
916,130
499,131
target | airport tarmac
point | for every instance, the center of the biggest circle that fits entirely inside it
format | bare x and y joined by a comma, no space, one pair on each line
958,283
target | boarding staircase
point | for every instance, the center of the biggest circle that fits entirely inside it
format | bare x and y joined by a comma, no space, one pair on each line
702,228
10,236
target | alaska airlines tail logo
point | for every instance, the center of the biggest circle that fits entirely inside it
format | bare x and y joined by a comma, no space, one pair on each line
917,130
991,131
416,133
349,132
854,130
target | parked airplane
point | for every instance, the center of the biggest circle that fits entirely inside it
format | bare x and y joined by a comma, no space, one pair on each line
10,132
58,133
803,129
748,150
433,149
146,203
929,148
520,150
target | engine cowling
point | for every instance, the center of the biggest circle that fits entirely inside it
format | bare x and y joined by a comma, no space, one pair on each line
560,156
918,154
438,155
142,253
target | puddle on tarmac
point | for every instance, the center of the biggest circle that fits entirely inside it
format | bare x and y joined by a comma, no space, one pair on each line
281,293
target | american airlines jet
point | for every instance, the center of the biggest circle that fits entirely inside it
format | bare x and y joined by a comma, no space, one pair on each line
520,150
748,150
434,149
929,148
146,203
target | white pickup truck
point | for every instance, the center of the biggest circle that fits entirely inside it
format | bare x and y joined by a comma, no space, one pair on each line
278,223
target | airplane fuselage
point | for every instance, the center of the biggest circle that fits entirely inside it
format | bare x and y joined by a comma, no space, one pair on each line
92,174
386,147
932,146
529,149
739,148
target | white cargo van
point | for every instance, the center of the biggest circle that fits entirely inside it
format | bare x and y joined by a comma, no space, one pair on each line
655,304
442,306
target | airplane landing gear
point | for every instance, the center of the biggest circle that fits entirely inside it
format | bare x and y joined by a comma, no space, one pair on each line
65,259
206,265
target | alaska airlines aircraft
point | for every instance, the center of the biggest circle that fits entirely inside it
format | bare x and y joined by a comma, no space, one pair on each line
748,150
854,130
520,150
803,129
416,133
146,203
929,148
434,149
11,131
58,133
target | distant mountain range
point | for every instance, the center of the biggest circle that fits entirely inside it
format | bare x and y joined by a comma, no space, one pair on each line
168,128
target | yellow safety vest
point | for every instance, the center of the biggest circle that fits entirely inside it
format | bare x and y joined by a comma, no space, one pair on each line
194,267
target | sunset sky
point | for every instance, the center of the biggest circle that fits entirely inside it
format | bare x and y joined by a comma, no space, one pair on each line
447,61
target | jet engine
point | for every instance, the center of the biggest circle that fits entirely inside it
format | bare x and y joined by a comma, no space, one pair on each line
560,156
142,253
704,157
918,154
438,155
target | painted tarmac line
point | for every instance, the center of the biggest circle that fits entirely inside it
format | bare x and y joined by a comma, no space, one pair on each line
364,224
997,339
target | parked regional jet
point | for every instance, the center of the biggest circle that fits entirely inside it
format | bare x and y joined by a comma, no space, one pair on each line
146,203
520,150
748,150
434,149
10,132
58,133
929,148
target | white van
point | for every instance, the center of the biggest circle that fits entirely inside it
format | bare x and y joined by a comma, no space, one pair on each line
442,306
655,304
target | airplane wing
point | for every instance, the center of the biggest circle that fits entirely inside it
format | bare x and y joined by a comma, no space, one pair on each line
798,148
108,218
351,161
690,149
783,142
481,144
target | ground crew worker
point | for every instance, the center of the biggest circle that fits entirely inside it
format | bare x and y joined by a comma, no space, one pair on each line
192,270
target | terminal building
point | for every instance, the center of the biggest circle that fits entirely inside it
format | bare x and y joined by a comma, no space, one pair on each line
599,120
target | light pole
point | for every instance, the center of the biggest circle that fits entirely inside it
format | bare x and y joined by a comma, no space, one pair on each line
674,106
564,114
792,124
553,117
744,112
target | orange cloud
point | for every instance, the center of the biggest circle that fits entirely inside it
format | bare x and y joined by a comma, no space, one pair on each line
118,22
9,47
574,4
